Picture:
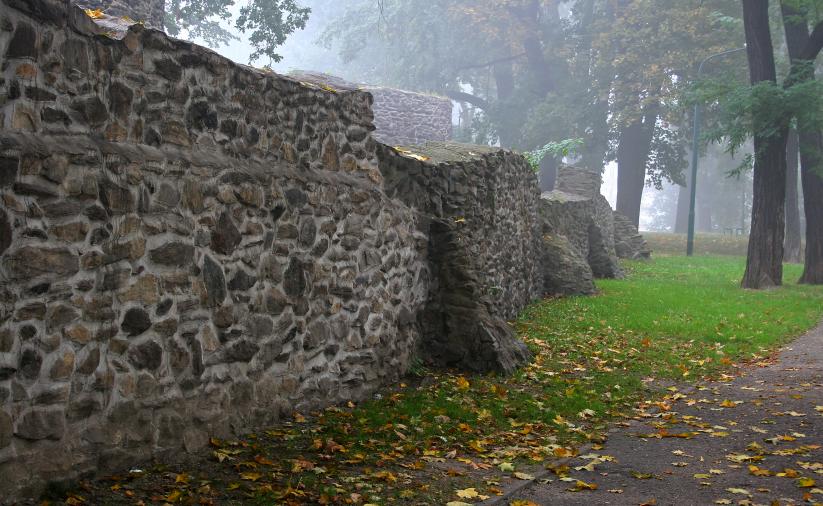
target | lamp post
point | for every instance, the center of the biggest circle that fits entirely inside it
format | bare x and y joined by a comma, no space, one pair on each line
696,152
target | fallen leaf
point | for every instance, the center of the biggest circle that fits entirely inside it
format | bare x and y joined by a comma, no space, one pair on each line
468,493
251,476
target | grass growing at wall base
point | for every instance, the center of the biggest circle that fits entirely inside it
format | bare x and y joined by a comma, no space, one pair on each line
596,359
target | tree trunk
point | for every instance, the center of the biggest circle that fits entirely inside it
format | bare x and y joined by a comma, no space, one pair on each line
803,48
764,262
632,154
811,161
792,242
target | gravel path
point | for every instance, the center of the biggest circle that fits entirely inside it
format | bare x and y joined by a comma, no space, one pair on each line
700,448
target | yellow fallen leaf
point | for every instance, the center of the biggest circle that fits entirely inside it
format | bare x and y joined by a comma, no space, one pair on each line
251,476
462,383
702,476
457,503
741,491
523,476
582,485
467,493
805,483
94,14
759,471
506,467
410,154
174,496
722,501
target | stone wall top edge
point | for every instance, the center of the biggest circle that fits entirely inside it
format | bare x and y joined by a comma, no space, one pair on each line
448,153
60,13
428,96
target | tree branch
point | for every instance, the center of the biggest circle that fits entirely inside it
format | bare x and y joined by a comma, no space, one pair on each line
476,101
490,63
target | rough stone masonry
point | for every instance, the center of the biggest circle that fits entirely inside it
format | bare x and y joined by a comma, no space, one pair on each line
193,248
188,248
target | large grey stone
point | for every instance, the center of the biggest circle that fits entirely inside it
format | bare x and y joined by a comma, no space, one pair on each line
215,282
173,254
225,237
36,424
135,322
30,262
148,355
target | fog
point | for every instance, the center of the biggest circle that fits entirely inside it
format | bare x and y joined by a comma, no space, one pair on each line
386,35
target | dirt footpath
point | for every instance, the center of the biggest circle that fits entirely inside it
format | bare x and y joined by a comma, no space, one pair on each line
753,440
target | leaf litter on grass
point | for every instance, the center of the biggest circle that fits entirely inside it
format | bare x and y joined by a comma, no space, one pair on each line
448,437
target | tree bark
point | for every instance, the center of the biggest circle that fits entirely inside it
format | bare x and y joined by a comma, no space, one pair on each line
803,48
811,162
764,262
633,151
792,243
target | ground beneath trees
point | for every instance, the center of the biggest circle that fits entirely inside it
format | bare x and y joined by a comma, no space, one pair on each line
755,439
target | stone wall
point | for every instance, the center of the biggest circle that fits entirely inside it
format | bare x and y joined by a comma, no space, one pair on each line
405,118
193,248
579,234
628,243
401,118
147,12
188,248
478,206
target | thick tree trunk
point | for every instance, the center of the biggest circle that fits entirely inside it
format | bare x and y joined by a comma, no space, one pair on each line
792,243
811,161
632,154
764,263
803,48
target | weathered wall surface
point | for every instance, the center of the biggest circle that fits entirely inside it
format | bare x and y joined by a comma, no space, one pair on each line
192,248
187,248
143,11
405,118
628,243
401,118
479,208
578,227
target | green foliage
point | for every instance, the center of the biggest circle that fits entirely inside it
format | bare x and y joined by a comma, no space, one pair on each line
268,21
741,111
557,149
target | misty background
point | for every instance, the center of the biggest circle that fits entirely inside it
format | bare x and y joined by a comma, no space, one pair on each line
723,203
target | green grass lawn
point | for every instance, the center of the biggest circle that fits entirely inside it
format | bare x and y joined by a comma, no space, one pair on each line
673,318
